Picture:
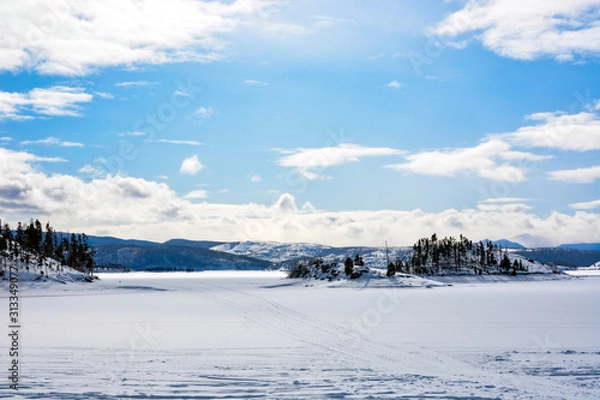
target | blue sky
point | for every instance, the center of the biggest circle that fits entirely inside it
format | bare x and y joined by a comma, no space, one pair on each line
333,122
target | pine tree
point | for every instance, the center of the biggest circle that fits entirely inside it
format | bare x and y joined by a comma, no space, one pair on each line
49,241
391,269
348,266
358,260
20,237
505,264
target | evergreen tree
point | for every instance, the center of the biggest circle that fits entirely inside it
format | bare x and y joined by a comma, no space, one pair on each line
505,264
358,261
348,266
391,269
49,241
20,236
435,254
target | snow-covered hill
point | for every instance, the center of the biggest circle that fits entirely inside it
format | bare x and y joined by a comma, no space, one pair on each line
289,253
49,271
595,266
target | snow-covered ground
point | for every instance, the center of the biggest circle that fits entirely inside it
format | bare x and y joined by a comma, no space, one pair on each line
255,335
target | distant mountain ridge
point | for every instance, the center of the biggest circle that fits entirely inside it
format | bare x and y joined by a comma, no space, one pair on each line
560,256
581,246
184,254
175,258
506,244
97,241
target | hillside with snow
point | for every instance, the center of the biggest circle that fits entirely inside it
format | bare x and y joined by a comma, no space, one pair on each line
32,254
286,254
29,269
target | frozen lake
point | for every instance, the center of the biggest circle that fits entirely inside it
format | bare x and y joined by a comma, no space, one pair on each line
255,335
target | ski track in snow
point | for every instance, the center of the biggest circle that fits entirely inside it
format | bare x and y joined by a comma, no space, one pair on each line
326,360
347,347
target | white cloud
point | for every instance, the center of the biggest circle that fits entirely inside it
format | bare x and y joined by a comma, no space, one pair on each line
75,38
308,207
11,161
521,155
529,30
586,205
134,134
496,159
307,160
24,189
285,204
196,194
5,139
185,142
129,84
576,132
96,169
52,141
480,160
191,166
180,92
395,84
104,95
137,208
579,175
54,101
326,21
205,112
255,82
255,178
504,207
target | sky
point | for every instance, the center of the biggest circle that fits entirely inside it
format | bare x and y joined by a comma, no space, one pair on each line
333,122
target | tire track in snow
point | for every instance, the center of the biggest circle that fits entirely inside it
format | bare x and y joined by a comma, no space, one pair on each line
346,343
378,357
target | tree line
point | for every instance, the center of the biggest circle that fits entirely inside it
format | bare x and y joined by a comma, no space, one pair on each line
429,256
29,244
432,256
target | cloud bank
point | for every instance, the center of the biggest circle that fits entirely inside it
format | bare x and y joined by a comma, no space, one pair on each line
76,37
150,210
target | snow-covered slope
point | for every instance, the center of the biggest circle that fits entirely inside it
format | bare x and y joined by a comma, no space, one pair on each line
273,251
280,253
49,271
533,267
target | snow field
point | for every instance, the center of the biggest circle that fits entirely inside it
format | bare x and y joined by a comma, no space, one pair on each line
256,335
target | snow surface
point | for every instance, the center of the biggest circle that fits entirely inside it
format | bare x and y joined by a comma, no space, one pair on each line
592,270
255,334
